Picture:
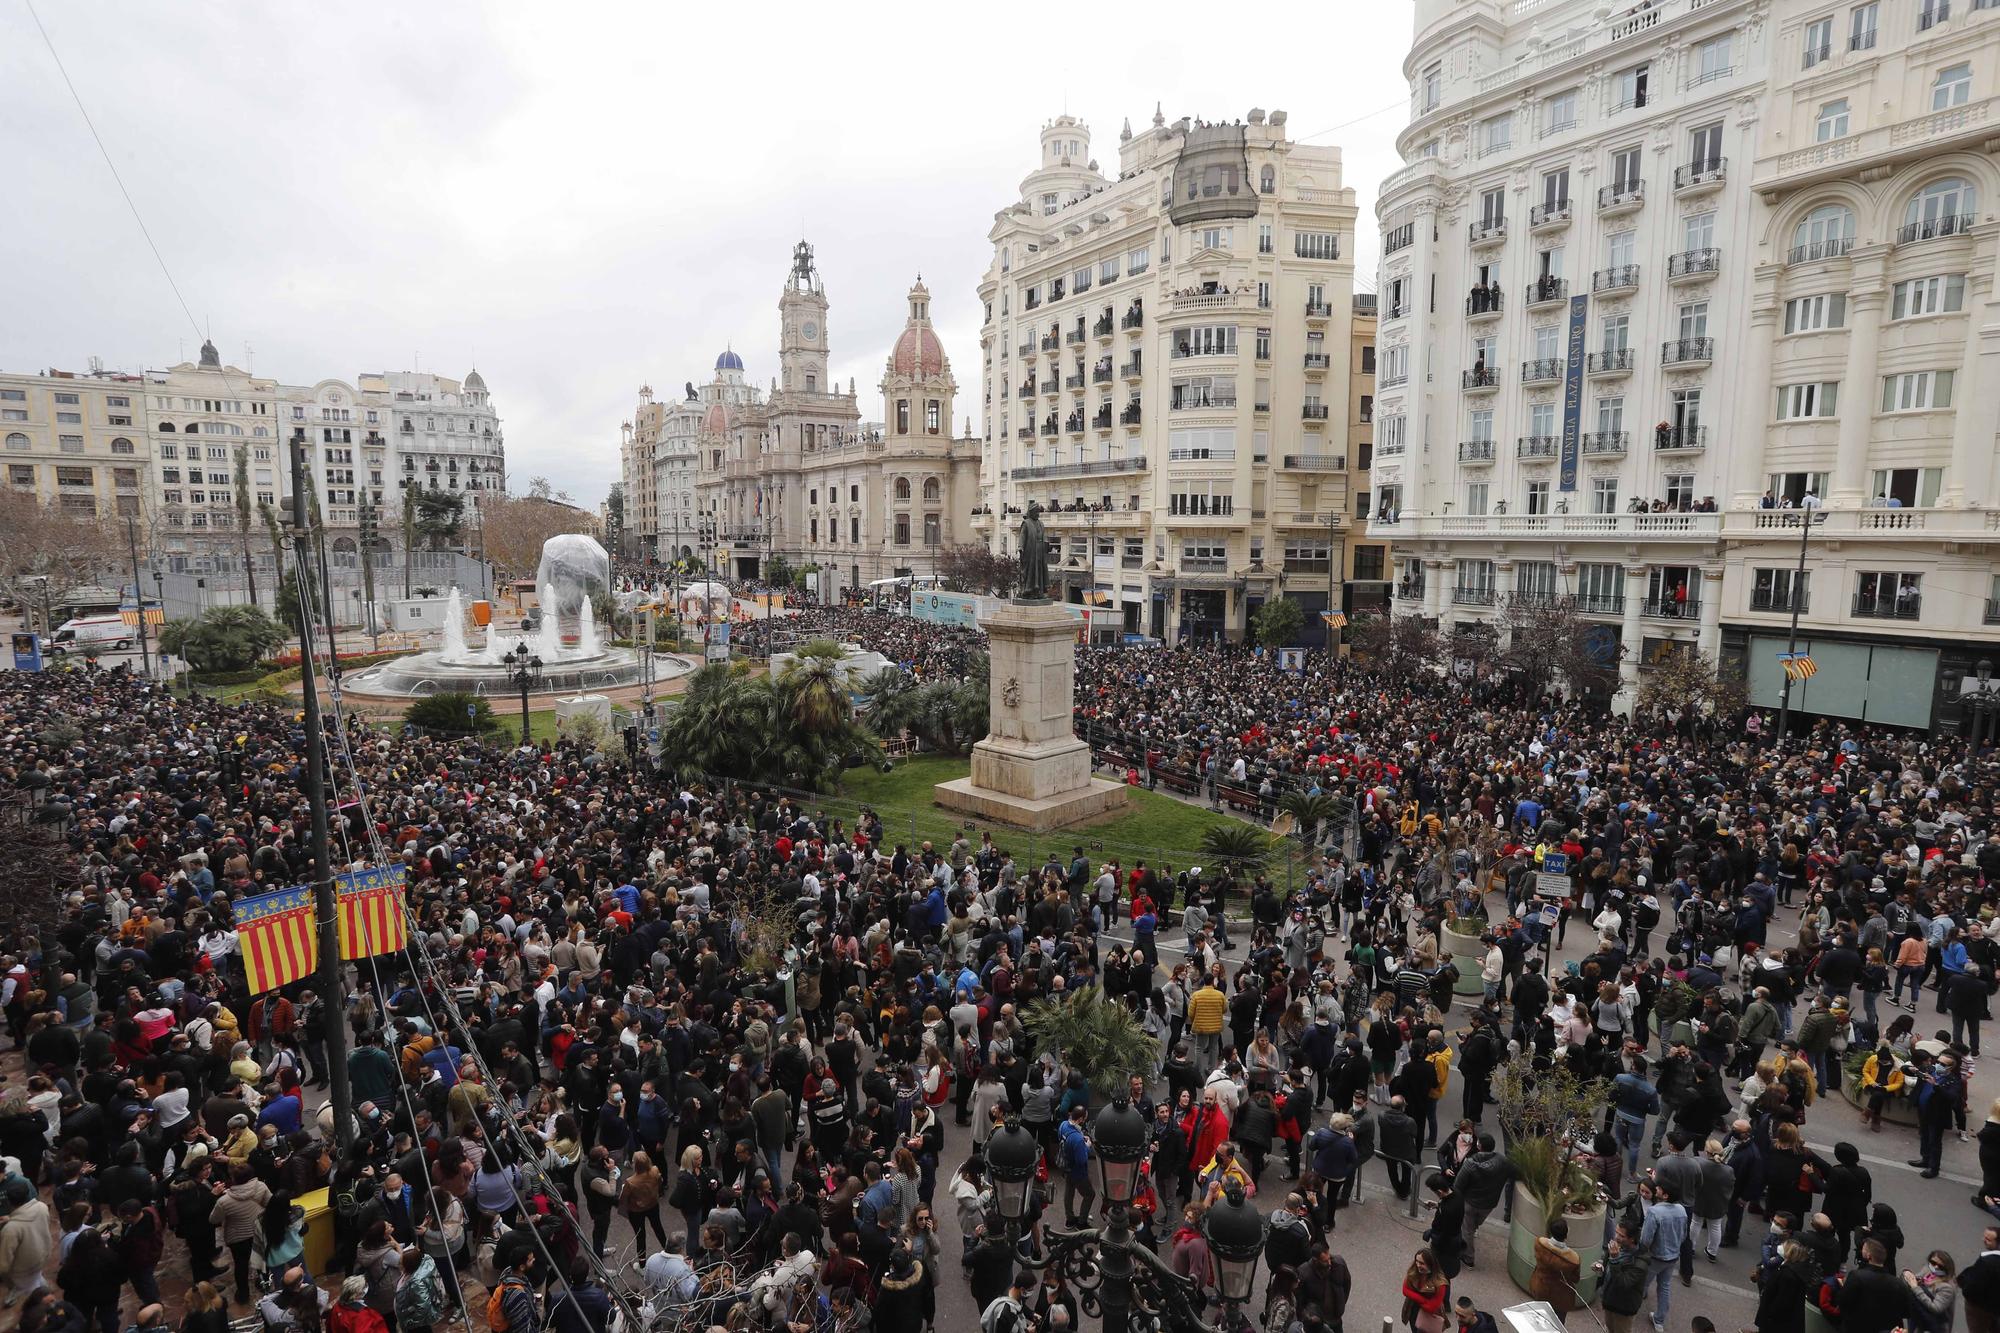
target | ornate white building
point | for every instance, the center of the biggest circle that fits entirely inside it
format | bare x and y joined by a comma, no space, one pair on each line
1651,264
1166,369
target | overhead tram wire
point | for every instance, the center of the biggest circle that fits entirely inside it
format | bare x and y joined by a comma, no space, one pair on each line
429,970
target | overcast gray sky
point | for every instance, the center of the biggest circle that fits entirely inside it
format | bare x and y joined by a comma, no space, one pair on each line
587,197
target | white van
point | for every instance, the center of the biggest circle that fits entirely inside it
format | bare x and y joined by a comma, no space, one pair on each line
91,634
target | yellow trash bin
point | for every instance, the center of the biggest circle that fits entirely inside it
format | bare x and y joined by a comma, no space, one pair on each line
317,1230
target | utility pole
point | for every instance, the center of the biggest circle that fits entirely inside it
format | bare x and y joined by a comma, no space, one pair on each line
325,908
138,596
1806,520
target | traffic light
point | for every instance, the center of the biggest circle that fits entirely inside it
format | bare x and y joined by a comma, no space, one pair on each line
632,744
367,527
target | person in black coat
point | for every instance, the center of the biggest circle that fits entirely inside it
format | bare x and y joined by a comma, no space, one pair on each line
1170,1150
1873,1299
1782,1299
1396,1133
1446,1236
1979,1284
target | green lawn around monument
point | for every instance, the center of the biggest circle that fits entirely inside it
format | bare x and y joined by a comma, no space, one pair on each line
1154,827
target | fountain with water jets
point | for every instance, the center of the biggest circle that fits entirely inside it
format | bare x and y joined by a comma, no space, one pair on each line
574,656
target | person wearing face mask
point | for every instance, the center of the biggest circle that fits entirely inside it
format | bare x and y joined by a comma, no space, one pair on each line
1933,1292
613,1132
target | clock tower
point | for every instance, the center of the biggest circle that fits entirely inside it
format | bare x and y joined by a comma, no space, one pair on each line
802,328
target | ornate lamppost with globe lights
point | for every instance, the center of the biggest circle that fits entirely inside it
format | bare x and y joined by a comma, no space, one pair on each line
1106,1266
524,672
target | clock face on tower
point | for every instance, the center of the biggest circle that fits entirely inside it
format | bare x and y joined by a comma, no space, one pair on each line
810,330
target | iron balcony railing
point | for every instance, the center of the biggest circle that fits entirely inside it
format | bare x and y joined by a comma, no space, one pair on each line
1813,250
1703,171
1616,278
1544,291
1687,351
1541,370
1888,606
1483,301
1694,263
1930,229
1612,361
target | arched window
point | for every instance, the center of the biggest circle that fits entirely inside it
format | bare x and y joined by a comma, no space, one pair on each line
933,416
166,428
121,445
930,488
1267,180
1942,208
902,488
1825,233
17,442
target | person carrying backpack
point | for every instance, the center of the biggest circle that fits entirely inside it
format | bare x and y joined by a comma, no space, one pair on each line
511,1306
1006,1314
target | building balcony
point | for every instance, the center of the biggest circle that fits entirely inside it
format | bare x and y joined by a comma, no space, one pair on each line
1314,462
1596,604
1769,599
1130,370
1888,606
1100,374
1672,527
1472,596
1051,387
1488,231
1813,251
1954,524
1051,343
1549,216
1933,14
1538,448
1134,318
1679,439
1130,415
1992,611
1687,352
1100,468
1612,361
1312,412
1694,265
1393,379
1483,303
1210,302
1027,389
1074,338
1399,239
1051,427
1101,419
1073,424
1317,362
1542,370
1073,382
1317,311
1104,328
1931,229
1479,380
1669,607
1618,278
1026,351
1620,198
1700,176
1547,291
1475,451
1886,146
1396,311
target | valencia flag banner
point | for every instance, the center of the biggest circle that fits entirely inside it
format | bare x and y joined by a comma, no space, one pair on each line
274,931
371,912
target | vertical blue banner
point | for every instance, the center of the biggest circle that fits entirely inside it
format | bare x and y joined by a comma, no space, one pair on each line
1572,445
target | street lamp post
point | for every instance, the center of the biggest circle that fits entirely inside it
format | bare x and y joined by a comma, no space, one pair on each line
1107,1266
524,672
1806,519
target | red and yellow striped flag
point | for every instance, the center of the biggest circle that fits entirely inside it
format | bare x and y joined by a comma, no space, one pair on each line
371,912
274,931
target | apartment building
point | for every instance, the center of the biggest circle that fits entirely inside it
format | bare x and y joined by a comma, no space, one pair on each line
1166,371
1788,206
657,459
1564,257
77,440
1365,566
1873,326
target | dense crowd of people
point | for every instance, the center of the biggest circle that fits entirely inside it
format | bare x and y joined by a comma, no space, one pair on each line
697,1047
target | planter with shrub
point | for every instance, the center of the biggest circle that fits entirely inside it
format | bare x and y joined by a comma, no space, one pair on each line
1549,1117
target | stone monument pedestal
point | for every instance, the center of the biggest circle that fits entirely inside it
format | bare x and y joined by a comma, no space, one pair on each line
1031,771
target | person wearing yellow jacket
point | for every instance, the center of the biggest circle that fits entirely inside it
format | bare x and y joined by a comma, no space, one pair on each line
1881,1079
1207,1008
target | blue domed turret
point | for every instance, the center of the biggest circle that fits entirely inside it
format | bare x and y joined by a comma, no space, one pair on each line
729,361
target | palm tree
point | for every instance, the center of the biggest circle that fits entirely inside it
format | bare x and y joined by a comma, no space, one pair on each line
409,534
814,695
243,518
270,517
1235,847
1097,1037
1312,814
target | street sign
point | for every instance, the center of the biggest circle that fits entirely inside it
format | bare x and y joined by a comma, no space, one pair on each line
1551,886
1550,915
1555,863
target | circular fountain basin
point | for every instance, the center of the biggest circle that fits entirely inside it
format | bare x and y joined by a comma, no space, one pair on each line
430,672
